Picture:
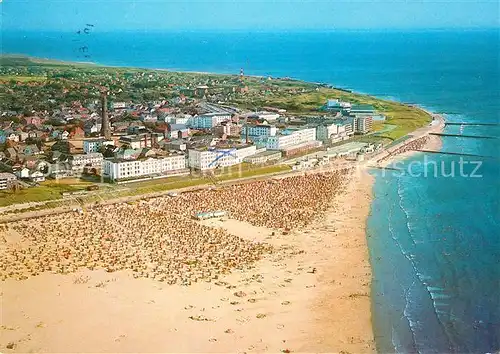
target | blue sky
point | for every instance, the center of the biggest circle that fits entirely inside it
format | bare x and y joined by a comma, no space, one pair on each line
108,15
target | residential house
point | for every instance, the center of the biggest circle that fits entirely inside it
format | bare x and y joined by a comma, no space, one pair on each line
37,135
77,133
63,135
29,150
148,118
92,126
64,146
119,105
32,175
120,128
13,136
11,153
22,135
136,128
36,176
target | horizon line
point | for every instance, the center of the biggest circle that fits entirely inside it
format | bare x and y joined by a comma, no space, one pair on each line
261,30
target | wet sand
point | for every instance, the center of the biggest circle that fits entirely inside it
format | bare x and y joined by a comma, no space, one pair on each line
279,274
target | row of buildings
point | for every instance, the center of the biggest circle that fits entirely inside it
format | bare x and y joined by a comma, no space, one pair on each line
131,150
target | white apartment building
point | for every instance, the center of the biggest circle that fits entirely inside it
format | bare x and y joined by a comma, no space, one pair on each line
209,120
216,157
80,161
116,169
325,133
331,132
259,130
179,119
290,137
119,105
94,145
6,179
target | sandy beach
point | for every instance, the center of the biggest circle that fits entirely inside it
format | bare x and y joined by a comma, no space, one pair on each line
297,283
428,142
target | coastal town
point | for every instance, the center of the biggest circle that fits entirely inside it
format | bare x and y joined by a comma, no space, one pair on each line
253,199
249,177
191,128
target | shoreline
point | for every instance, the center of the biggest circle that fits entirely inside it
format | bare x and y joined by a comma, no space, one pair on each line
343,306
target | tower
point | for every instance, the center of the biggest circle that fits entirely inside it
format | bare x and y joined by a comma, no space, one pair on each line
105,131
242,74
246,130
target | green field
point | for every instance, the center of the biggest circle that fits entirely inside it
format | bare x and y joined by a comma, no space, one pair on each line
44,192
22,78
405,118
53,190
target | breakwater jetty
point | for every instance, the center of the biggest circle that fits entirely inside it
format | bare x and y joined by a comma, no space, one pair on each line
465,136
473,124
456,154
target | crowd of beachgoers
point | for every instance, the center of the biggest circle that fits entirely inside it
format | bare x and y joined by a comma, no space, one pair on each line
159,238
417,144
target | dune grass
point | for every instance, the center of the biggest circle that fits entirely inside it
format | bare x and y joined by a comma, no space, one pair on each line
405,118
44,192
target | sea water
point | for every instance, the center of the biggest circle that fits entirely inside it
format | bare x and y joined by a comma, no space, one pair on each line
434,241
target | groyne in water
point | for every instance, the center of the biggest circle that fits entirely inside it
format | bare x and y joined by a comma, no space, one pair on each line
465,136
473,124
457,154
